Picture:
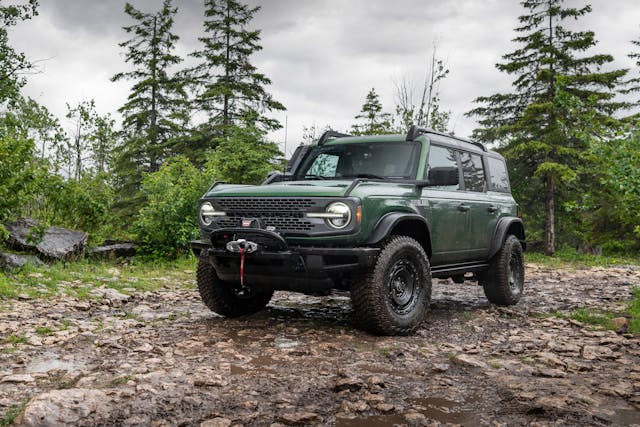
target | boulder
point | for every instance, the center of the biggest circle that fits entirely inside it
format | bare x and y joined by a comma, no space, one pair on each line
65,407
116,250
15,262
55,243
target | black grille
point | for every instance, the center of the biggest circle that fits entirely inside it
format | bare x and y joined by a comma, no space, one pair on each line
290,224
250,205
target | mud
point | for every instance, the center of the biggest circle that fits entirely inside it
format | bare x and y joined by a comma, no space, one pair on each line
161,358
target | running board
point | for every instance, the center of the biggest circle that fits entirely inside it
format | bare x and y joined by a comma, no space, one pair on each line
444,271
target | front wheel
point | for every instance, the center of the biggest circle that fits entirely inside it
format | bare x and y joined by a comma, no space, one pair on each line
394,298
504,280
223,298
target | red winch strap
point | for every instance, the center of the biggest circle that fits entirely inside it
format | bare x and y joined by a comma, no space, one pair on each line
242,267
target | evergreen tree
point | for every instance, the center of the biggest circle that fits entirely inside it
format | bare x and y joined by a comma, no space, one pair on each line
531,124
155,113
12,63
373,120
228,88
633,84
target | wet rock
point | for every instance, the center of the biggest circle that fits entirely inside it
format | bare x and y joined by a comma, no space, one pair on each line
385,407
17,378
299,418
216,422
64,407
117,250
351,384
465,359
415,417
55,243
440,367
111,294
16,262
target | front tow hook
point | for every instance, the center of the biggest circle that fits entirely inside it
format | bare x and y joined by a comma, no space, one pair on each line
242,247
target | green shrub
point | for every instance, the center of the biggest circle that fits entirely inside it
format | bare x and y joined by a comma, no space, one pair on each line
168,220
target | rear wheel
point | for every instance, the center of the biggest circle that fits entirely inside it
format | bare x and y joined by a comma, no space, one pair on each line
504,281
394,298
224,298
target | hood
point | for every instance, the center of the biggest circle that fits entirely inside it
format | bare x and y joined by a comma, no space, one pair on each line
328,188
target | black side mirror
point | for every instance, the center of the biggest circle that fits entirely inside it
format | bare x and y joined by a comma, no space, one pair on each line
443,176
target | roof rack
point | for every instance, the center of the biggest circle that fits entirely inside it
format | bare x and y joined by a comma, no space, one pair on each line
416,131
330,134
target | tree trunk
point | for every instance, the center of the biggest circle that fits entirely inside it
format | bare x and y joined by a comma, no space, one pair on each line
549,229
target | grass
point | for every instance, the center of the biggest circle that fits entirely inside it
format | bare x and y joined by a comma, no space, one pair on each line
15,339
79,279
11,414
571,258
44,330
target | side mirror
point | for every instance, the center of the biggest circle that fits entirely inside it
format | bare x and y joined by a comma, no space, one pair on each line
443,176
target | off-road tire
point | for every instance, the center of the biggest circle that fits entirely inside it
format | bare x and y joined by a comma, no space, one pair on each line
504,281
377,298
220,296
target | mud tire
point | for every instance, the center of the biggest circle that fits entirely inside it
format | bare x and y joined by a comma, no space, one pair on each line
394,298
504,281
220,297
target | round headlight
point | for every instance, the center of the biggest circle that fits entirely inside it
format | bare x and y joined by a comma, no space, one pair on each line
342,209
207,212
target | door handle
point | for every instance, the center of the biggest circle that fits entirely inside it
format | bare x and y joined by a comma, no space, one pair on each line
492,209
463,208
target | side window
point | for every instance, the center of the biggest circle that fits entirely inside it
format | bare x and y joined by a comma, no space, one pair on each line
472,171
499,180
324,165
441,158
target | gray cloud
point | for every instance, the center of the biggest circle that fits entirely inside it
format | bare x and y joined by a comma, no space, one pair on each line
322,56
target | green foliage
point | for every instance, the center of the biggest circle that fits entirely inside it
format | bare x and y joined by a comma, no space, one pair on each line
167,222
561,103
228,87
155,113
244,158
17,174
13,64
373,120
633,310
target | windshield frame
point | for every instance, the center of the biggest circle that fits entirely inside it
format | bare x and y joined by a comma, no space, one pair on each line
315,151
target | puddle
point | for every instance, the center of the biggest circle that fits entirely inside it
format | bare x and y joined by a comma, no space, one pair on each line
376,421
284,343
443,410
626,417
51,361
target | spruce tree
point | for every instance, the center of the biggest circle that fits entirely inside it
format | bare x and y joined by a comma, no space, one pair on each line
532,124
372,120
633,84
228,87
154,116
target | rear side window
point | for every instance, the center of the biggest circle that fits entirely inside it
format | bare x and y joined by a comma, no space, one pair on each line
472,172
498,178
441,157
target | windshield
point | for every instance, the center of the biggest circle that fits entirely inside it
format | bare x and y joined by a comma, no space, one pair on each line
362,160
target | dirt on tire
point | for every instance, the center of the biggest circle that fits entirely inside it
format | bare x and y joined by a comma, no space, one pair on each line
162,359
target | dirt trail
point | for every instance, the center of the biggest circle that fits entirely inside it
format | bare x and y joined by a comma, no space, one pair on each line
160,358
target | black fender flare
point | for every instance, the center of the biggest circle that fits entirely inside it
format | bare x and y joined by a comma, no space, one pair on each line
383,227
500,233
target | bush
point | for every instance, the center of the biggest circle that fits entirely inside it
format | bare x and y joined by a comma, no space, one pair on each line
17,175
168,220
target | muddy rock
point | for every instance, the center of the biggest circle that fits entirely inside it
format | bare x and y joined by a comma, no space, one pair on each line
64,407
299,418
216,422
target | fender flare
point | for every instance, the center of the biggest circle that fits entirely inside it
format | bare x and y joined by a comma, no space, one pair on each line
383,227
500,233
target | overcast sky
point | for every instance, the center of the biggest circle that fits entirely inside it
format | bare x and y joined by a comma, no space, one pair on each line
322,56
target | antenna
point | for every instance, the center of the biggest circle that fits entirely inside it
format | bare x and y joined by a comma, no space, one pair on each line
286,124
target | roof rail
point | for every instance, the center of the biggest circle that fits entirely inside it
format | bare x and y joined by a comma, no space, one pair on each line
330,134
416,131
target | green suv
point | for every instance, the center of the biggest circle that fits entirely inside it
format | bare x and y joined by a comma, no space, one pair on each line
376,215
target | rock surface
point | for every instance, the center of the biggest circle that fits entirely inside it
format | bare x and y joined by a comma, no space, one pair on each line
55,243
116,250
160,358
15,261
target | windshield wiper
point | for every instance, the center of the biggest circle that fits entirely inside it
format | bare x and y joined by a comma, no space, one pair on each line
311,176
364,175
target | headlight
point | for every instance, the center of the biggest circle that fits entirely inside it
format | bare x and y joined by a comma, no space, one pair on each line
342,214
207,213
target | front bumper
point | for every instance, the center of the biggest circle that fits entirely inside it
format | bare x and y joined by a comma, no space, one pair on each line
276,265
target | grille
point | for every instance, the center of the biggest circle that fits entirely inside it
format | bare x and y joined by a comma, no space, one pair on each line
247,205
285,214
280,223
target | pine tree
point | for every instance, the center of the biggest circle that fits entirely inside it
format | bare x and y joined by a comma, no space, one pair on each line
12,63
633,84
228,87
373,120
533,124
154,116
